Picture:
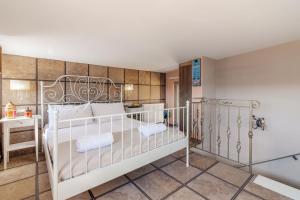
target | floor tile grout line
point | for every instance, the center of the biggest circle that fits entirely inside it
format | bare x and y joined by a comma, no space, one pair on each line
10,168
186,184
138,187
225,180
242,187
22,179
113,189
91,195
213,174
138,177
256,195
37,189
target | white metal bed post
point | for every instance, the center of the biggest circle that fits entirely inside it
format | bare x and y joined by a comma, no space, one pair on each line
187,132
54,114
42,110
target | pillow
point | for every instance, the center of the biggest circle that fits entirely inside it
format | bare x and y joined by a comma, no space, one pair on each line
70,112
100,109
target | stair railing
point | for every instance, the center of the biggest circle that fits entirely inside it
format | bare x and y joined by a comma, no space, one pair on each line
222,127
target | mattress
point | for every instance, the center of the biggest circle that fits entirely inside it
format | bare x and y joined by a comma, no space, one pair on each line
104,157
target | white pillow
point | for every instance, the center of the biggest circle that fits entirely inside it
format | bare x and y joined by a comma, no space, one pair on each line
100,109
66,112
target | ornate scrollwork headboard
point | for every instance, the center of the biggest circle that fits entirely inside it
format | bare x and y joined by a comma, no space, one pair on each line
73,89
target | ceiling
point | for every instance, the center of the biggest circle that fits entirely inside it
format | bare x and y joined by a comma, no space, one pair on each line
144,34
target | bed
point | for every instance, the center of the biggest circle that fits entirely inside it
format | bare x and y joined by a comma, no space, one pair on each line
68,101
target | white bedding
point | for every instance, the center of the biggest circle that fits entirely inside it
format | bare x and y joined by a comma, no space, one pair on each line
79,159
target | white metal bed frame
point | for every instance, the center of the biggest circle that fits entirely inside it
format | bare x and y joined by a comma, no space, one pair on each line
84,89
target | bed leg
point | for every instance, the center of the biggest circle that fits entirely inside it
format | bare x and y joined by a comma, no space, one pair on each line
187,133
187,157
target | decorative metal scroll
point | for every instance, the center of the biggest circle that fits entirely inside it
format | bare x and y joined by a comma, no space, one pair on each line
70,89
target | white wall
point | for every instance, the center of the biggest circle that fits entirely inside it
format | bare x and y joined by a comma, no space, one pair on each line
271,76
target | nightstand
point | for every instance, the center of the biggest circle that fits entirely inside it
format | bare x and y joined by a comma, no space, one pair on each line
134,109
17,123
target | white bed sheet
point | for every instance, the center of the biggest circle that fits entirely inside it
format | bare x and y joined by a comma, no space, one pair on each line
78,165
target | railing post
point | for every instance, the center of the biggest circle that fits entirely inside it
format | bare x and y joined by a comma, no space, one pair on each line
250,135
54,114
187,132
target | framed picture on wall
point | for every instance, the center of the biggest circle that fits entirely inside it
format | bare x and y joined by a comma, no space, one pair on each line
196,72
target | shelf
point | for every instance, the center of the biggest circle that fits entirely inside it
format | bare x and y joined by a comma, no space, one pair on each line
22,145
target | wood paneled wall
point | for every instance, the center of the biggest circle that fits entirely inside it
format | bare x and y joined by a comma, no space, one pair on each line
149,87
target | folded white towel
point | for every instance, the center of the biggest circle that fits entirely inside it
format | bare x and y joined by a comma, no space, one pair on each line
93,141
152,128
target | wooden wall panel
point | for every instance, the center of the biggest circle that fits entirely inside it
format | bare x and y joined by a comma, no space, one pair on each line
162,79
18,67
131,76
155,92
133,94
148,86
144,77
77,69
50,69
162,92
98,71
144,92
116,74
155,78
18,97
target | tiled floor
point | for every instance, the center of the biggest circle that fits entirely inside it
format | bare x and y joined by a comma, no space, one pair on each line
167,178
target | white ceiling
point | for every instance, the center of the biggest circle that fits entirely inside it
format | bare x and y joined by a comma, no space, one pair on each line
144,34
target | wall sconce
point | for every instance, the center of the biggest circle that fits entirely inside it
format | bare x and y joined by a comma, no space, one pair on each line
19,85
128,87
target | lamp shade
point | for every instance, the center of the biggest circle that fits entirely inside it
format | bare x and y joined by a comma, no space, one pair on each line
19,85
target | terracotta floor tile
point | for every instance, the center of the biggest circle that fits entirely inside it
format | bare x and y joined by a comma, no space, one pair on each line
140,171
42,167
82,196
212,187
22,160
202,162
44,183
264,192
164,161
229,173
157,185
179,154
185,193
128,192
247,196
48,196
179,171
43,196
18,190
109,186
17,173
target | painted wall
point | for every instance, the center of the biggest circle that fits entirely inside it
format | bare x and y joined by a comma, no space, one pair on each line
271,76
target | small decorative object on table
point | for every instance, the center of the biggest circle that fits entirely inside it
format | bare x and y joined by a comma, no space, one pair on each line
28,113
10,111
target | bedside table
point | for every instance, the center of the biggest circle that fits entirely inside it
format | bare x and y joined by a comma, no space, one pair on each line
17,123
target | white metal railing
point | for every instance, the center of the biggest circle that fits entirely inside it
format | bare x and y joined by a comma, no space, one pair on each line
167,137
223,127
